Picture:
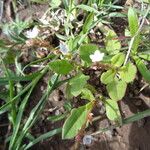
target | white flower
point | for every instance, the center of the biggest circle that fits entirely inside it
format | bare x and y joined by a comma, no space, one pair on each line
32,33
63,48
97,56
87,139
71,17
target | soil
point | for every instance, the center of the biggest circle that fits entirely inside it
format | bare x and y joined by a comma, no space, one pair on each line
133,136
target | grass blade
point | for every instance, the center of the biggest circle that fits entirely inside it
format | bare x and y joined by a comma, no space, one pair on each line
142,69
21,110
34,115
5,80
43,137
19,118
21,93
137,117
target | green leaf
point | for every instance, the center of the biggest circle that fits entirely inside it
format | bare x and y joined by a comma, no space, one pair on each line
73,43
88,22
75,121
133,21
118,59
108,76
6,109
136,43
87,94
66,4
133,26
142,69
146,1
117,14
9,57
19,118
13,30
77,83
34,114
61,66
26,88
112,110
68,106
128,72
109,4
116,89
112,44
87,8
86,50
137,116
55,3
56,117
5,80
145,56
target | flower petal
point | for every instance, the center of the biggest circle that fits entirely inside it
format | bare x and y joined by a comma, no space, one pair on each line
32,33
63,48
97,56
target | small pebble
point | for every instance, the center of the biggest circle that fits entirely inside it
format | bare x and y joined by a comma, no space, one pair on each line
57,112
87,139
109,133
102,110
42,88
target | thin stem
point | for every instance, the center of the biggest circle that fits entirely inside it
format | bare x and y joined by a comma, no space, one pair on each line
14,3
38,61
136,34
13,107
1,9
